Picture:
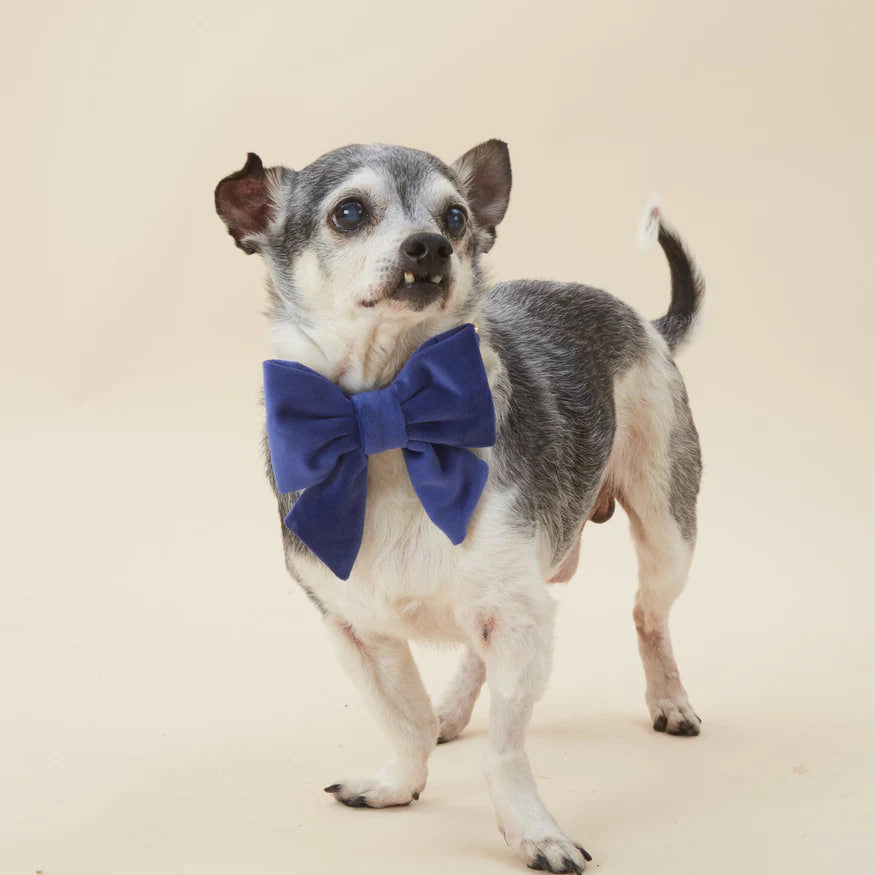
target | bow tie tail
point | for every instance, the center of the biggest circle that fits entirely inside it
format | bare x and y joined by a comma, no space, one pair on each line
330,517
448,482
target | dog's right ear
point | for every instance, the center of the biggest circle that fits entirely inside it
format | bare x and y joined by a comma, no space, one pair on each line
247,202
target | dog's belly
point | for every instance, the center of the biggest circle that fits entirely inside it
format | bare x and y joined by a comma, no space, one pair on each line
409,580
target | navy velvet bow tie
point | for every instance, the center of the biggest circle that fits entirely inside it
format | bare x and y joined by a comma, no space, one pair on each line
320,439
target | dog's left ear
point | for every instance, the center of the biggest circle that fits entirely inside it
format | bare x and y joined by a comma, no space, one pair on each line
485,175
248,201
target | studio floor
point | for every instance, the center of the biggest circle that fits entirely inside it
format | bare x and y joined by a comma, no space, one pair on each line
177,708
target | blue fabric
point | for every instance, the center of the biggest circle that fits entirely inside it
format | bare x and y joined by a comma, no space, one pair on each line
320,439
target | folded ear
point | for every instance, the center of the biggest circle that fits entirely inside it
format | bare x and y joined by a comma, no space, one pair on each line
485,175
247,201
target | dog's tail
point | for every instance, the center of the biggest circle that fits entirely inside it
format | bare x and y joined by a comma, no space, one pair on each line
687,283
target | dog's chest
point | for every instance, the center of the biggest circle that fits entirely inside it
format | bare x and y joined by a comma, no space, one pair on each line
408,575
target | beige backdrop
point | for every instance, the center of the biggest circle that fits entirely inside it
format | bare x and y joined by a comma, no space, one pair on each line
167,701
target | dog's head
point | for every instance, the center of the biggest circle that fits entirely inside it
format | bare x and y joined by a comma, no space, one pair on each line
371,236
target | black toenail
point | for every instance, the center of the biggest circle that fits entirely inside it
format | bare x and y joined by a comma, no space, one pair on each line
660,723
585,852
685,727
333,788
416,796
356,802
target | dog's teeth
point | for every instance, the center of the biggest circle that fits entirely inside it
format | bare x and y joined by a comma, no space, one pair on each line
408,277
436,279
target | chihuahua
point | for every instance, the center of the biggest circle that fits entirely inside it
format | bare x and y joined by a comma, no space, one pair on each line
370,251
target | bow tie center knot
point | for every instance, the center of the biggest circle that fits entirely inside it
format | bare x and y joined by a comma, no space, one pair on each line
380,420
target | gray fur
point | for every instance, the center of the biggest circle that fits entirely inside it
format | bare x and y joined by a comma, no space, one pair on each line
562,346
686,464
687,289
589,406
408,169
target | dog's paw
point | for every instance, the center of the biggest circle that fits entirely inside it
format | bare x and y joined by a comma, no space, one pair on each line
390,787
449,727
371,794
554,853
675,717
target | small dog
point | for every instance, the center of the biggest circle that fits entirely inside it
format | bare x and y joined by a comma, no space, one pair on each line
370,251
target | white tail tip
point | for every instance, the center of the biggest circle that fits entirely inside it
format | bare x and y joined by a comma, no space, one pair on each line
648,229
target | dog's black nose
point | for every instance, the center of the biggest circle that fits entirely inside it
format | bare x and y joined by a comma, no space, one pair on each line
426,253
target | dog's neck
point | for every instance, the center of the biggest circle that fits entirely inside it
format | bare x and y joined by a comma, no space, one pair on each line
357,355
369,355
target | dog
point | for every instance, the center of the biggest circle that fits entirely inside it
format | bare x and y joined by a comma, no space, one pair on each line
372,250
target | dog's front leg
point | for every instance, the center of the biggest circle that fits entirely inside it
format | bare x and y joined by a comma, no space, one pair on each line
515,645
384,669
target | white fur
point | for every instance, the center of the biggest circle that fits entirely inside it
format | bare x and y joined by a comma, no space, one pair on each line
638,471
410,582
648,227
457,703
354,346
488,593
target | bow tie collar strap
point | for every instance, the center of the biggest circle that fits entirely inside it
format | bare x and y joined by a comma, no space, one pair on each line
438,406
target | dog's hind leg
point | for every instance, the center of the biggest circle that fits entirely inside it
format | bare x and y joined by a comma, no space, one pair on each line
664,559
457,703
657,485
384,669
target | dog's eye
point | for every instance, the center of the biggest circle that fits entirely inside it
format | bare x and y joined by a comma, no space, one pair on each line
348,215
456,220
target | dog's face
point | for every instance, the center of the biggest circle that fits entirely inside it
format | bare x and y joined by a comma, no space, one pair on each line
371,234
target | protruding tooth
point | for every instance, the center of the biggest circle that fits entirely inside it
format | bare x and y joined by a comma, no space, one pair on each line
408,277
436,279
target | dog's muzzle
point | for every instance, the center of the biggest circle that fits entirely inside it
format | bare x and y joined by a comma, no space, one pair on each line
425,270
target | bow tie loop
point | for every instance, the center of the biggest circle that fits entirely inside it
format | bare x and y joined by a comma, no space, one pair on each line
380,420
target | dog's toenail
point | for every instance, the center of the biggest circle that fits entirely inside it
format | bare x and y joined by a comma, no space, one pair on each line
356,802
585,852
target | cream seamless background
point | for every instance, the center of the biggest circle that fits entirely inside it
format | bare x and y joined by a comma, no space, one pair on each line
168,702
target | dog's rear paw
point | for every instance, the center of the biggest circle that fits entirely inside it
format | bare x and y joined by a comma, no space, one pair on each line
449,727
553,854
381,791
676,718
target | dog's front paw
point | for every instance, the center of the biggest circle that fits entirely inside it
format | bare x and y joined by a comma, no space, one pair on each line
392,786
553,854
371,793
676,717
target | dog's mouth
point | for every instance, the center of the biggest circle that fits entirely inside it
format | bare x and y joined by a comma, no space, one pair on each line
419,290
